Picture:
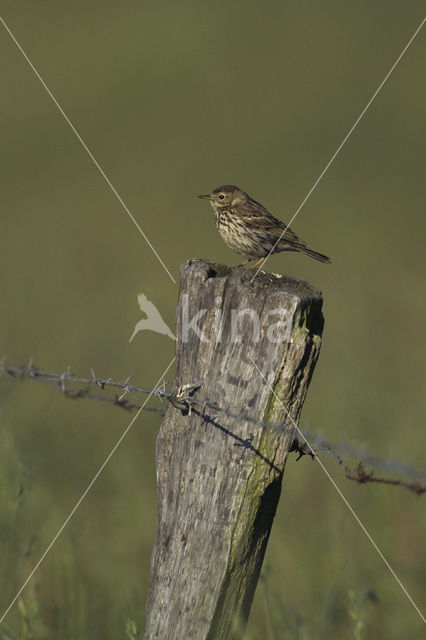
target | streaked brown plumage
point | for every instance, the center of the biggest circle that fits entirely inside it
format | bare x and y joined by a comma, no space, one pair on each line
248,228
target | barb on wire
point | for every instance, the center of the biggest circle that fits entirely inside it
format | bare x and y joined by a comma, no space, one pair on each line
184,399
360,475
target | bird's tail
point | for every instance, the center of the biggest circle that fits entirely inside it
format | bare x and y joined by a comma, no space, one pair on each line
314,254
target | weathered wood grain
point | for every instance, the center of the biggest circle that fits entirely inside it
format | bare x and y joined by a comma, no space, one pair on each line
216,498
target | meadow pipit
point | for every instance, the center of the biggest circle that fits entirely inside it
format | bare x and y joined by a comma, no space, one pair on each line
248,228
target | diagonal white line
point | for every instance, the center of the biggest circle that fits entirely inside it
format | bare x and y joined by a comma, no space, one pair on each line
80,500
342,143
342,496
92,157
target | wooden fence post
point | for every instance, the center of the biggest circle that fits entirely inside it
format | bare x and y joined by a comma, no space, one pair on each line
219,479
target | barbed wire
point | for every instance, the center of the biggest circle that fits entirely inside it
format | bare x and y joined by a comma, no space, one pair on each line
184,400
59,380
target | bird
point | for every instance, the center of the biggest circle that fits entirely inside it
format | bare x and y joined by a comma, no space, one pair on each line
250,229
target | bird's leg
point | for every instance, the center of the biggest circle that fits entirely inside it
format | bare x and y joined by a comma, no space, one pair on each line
259,262
243,264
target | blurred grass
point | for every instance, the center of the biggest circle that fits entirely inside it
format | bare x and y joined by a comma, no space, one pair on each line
175,99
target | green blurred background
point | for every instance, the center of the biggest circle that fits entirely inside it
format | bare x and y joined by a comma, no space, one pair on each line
174,99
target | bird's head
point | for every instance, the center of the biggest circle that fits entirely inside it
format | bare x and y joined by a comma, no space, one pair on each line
226,196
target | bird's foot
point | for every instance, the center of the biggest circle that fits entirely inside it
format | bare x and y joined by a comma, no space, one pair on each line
258,263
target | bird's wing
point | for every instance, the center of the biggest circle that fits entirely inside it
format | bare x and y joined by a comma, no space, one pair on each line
285,233
259,217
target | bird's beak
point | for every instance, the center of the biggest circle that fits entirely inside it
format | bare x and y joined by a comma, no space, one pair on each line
207,196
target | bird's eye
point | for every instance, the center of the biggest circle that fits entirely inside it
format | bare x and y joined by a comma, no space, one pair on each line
221,197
